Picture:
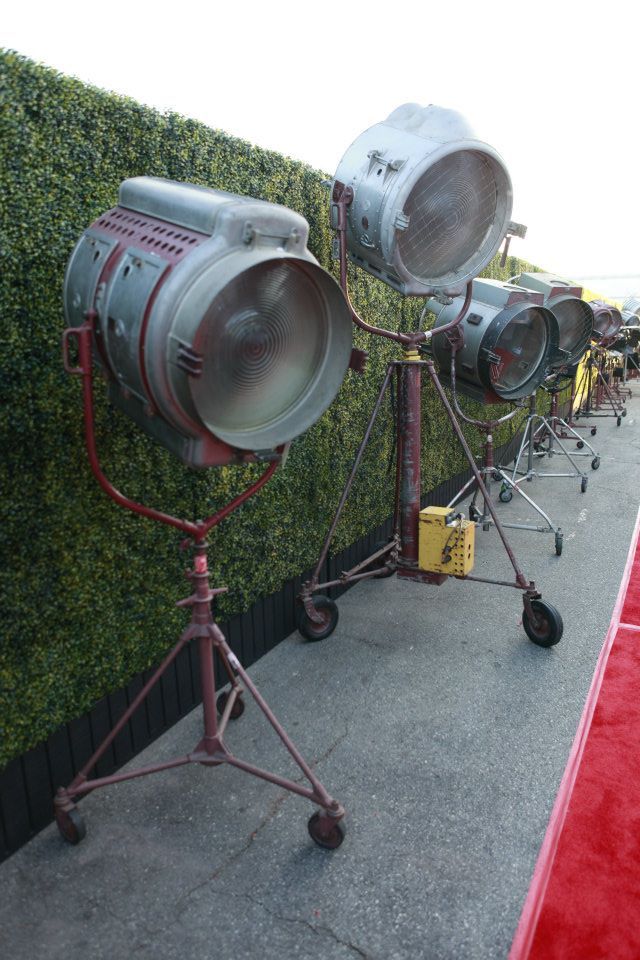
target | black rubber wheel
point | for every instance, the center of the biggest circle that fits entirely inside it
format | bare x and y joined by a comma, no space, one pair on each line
594,430
382,563
328,610
618,421
236,710
474,514
559,542
624,412
325,830
583,485
595,463
505,495
496,476
71,825
548,631
580,444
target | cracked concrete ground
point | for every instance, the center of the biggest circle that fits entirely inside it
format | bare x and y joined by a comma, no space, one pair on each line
431,717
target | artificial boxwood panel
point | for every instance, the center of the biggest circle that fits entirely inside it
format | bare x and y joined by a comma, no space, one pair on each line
88,590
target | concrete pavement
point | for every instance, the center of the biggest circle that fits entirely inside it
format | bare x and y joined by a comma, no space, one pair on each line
428,713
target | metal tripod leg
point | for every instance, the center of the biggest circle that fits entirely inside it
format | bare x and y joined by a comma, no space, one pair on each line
528,442
521,580
508,485
313,584
565,426
211,750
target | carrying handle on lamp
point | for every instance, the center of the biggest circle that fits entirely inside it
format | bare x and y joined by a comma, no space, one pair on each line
66,336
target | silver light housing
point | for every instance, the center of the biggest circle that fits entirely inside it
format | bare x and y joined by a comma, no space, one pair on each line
607,321
574,315
218,331
632,305
509,340
431,203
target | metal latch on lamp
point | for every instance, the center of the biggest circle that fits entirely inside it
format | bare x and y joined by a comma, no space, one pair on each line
375,156
189,360
490,356
251,233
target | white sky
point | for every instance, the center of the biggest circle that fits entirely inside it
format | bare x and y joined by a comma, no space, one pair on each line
554,87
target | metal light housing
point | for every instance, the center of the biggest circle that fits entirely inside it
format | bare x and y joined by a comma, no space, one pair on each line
510,338
219,333
629,334
574,315
607,322
632,305
431,203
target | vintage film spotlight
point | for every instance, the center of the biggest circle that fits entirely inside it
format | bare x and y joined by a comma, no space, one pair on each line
613,365
632,305
593,393
621,353
627,345
422,204
222,338
631,319
544,433
509,346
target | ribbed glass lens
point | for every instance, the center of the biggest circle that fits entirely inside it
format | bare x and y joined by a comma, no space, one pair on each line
614,324
264,339
602,322
521,348
575,324
451,211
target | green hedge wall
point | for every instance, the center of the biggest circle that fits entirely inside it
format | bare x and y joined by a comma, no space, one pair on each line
88,589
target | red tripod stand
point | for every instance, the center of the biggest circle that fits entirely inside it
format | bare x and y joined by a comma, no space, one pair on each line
325,826
318,614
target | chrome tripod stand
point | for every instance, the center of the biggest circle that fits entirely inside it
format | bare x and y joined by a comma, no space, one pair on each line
492,473
543,437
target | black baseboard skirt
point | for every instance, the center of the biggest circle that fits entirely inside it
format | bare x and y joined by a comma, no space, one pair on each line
28,783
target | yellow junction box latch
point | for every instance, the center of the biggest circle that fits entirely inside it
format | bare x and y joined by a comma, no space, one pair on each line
445,542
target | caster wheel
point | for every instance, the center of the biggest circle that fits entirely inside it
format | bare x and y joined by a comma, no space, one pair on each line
474,514
580,444
496,476
624,412
594,430
595,463
583,485
236,710
547,631
328,610
618,421
559,542
326,831
505,495
71,825
382,564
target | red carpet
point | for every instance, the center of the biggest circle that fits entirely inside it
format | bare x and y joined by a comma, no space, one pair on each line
584,899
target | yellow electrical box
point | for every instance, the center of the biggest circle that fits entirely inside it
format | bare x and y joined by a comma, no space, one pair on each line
446,542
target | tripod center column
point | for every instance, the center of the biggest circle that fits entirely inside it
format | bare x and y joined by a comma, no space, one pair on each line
409,425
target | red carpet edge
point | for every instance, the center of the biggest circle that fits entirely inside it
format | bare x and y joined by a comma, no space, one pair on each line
525,932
